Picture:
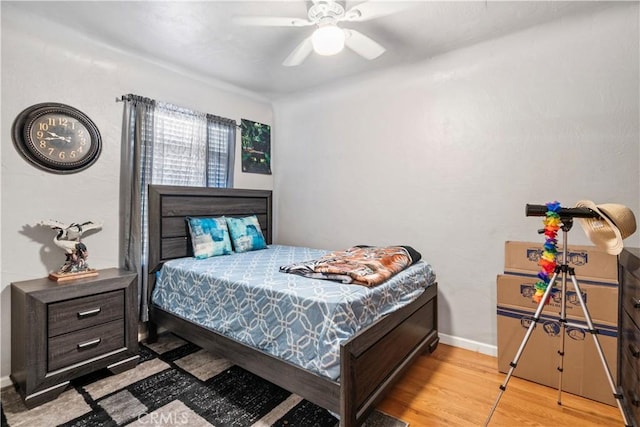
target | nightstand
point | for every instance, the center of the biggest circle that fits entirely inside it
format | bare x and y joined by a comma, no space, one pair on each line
63,330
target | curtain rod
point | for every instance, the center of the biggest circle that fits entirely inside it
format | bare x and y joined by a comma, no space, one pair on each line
123,98
131,96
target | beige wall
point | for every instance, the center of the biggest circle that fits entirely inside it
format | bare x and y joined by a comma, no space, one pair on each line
41,63
445,155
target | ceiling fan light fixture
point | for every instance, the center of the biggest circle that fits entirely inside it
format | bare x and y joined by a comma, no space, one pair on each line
328,40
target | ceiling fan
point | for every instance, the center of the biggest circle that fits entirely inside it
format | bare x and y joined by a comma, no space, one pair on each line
329,38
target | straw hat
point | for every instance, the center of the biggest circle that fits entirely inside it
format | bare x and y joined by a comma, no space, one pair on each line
616,224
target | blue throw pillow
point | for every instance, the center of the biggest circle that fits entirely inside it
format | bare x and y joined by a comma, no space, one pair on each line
246,234
209,237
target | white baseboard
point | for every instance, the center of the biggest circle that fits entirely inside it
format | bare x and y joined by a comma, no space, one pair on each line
467,344
5,382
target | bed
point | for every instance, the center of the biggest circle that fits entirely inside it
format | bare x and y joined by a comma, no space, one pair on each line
369,362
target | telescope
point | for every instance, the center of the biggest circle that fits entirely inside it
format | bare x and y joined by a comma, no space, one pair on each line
541,210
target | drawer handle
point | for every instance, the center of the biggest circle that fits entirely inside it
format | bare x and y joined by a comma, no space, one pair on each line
88,313
89,343
634,399
635,351
636,302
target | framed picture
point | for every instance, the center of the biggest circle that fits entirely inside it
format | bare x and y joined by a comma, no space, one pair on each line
256,147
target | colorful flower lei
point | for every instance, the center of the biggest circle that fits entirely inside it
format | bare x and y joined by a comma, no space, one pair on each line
547,261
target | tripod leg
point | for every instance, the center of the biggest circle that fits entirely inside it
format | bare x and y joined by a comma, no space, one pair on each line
603,359
514,363
563,328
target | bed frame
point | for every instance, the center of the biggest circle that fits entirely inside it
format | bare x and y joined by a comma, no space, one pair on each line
370,362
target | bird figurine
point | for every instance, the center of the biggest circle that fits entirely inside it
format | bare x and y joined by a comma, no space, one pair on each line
68,239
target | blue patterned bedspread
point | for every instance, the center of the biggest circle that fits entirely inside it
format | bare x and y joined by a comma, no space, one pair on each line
244,296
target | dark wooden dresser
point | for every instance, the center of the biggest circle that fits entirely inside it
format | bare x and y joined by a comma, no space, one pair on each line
62,330
629,360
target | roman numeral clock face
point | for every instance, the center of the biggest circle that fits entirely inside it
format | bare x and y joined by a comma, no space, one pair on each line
57,138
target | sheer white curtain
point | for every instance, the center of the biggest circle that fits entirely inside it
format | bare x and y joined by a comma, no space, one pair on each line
180,146
221,137
171,145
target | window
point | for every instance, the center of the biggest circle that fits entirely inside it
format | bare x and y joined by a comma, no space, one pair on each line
166,144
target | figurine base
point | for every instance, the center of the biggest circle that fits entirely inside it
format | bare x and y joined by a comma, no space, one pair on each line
63,277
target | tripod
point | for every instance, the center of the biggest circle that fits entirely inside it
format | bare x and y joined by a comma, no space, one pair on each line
564,269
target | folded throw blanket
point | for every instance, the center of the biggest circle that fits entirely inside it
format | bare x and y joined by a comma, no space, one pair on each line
362,265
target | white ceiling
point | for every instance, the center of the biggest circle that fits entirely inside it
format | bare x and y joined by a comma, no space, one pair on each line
198,36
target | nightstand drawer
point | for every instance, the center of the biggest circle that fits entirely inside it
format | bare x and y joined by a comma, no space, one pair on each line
79,313
631,297
630,343
67,349
631,388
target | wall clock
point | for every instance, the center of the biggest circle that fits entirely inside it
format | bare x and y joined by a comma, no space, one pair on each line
56,137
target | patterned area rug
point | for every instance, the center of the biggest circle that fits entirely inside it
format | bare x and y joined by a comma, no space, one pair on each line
176,383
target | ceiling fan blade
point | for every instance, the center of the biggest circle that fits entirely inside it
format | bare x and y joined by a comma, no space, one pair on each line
363,45
271,21
299,54
374,9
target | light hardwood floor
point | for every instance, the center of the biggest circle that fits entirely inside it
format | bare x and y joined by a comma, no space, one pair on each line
457,387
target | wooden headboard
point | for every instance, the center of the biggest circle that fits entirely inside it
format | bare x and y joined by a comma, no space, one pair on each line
169,205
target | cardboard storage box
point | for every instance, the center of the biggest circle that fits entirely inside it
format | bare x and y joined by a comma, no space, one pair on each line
601,299
590,263
583,372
